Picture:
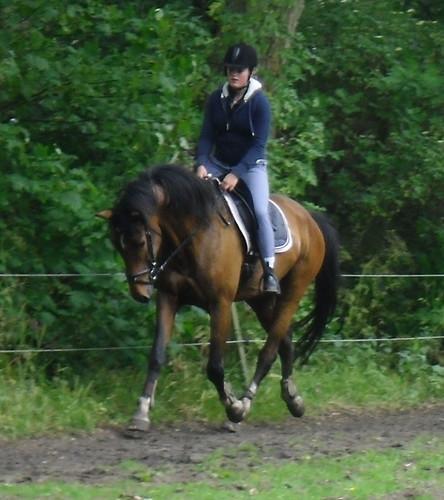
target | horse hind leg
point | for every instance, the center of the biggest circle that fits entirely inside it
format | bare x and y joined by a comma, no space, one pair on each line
289,392
277,321
299,280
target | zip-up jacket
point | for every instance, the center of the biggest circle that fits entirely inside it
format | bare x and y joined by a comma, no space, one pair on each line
236,137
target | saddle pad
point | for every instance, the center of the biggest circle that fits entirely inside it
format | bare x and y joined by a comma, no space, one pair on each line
282,236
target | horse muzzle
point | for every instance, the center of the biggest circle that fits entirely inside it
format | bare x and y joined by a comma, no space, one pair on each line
141,292
142,298
141,285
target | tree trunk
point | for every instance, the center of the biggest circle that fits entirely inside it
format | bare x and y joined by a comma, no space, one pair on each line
289,16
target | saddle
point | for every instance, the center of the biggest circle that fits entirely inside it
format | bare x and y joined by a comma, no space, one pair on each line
240,204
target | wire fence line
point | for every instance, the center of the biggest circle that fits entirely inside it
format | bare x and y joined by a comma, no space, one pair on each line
392,275
203,344
120,274
58,275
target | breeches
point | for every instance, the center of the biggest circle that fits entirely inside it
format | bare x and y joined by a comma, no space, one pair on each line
256,179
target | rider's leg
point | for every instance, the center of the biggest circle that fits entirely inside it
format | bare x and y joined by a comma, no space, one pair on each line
256,178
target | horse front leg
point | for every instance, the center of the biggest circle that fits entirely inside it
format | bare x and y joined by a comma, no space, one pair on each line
220,328
166,312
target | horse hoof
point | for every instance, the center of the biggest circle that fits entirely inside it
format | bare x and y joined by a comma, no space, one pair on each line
296,406
294,402
235,412
138,425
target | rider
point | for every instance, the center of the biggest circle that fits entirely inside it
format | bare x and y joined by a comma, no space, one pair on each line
233,141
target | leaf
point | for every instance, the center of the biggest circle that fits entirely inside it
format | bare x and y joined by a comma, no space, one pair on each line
71,199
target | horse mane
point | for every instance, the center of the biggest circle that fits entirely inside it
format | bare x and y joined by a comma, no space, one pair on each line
186,194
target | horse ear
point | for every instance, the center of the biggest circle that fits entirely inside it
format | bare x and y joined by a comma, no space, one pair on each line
105,214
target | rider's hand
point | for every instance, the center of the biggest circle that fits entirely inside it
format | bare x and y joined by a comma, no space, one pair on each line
201,171
229,182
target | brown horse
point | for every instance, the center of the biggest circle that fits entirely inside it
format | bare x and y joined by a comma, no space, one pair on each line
174,233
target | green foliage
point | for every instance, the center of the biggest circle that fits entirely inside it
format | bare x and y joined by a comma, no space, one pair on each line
32,405
382,108
378,79
88,99
299,136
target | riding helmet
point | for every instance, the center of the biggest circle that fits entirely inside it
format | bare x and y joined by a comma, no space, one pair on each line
241,56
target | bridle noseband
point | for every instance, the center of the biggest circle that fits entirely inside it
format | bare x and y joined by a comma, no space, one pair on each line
153,269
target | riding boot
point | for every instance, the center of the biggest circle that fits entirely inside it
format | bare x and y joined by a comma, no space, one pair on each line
271,283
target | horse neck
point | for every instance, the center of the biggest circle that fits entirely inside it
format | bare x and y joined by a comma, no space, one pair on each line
177,227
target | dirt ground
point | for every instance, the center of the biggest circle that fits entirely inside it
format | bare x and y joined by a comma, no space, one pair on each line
175,450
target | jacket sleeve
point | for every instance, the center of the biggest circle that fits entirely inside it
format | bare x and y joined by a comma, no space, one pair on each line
207,137
260,119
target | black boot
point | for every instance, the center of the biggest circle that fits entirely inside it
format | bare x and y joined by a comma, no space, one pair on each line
271,283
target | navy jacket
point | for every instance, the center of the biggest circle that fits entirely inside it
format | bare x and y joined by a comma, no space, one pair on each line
235,137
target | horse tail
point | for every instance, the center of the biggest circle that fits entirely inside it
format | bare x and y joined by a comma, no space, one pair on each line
325,293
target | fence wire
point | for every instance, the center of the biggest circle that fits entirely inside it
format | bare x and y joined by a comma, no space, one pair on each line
85,275
202,344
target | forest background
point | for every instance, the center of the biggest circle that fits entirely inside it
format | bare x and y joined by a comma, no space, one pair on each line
92,92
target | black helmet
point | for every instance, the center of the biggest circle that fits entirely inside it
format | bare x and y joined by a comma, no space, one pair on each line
241,56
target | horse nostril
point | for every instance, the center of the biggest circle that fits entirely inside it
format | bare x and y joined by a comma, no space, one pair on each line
142,299
141,292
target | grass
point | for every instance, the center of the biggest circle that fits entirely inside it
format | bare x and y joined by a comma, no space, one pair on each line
415,471
30,404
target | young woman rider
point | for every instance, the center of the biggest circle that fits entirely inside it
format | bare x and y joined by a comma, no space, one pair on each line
233,142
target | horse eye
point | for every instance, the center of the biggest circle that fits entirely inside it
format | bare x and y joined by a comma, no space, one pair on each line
139,243
135,240
124,239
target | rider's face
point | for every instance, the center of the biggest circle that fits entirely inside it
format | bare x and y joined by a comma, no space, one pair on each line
238,77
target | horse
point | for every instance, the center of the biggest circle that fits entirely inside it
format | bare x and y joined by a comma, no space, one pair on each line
176,235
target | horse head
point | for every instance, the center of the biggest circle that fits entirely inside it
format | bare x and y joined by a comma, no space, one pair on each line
167,196
137,239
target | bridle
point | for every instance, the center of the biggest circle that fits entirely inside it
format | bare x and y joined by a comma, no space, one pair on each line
153,269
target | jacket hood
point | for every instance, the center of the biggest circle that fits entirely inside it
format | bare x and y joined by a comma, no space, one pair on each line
253,86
